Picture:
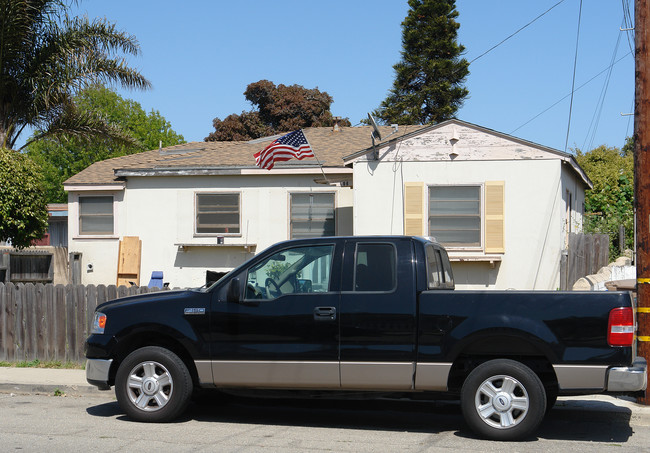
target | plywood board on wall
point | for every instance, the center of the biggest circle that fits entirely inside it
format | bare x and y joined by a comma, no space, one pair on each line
128,264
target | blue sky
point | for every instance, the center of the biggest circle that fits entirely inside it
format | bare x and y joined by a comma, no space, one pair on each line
201,55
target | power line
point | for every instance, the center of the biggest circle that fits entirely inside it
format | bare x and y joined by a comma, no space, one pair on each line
595,120
577,89
573,83
529,23
628,23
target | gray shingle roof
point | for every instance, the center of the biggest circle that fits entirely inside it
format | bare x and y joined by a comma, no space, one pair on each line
329,147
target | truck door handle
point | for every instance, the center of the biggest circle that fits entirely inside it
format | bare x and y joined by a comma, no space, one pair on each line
325,313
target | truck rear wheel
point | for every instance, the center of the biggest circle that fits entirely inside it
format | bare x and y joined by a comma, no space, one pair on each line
503,400
153,385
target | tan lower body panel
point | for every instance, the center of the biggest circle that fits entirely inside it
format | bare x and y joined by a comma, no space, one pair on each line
377,375
432,376
276,374
581,377
385,376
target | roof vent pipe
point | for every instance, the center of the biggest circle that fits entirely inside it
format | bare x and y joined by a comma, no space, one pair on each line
336,127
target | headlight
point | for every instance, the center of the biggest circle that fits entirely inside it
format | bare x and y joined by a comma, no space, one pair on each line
99,323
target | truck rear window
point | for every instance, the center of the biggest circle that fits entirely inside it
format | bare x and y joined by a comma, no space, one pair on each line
438,269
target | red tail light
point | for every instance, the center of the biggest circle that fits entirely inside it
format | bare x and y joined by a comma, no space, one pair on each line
620,331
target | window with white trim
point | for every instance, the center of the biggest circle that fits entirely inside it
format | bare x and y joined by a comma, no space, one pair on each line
96,217
455,215
312,215
218,213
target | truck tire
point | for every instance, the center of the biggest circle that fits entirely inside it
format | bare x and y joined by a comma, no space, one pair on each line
153,385
503,400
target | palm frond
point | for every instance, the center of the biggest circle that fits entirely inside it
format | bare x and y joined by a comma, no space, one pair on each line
46,57
86,125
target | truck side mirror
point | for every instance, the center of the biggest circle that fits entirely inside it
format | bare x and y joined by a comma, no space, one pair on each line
234,291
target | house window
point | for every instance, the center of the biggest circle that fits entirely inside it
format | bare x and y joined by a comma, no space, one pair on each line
96,215
312,215
455,215
217,213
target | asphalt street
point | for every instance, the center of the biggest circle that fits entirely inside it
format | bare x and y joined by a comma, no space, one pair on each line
32,418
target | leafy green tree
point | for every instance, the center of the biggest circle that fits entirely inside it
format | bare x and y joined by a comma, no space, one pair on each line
611,202
60,160
277,109
428,86
46,57
23,212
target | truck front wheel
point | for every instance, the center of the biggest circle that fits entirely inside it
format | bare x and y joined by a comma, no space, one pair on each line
503,400
153,385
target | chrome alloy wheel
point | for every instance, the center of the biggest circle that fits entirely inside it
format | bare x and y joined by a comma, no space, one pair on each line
149,386
501,401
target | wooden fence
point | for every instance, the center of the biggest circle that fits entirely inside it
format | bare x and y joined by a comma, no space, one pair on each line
586,254
51,323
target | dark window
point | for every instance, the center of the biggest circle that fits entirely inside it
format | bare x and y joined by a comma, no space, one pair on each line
217,213
375,268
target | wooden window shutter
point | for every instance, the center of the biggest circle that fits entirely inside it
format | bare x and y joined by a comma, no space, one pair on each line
414,209
495,217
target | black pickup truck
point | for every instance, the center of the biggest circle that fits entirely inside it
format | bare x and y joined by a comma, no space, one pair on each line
376,316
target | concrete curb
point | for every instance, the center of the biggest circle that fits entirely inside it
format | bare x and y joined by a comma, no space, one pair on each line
68,390
46,381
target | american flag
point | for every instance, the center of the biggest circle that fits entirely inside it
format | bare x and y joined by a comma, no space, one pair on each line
294,144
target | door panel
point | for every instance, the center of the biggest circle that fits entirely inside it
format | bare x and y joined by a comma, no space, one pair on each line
284,333
378,316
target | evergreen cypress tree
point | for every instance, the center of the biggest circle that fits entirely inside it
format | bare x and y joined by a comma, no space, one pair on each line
428,86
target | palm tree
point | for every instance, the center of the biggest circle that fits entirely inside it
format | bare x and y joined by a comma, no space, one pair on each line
45,58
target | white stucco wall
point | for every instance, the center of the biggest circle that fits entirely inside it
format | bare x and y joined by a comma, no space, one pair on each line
160,211
534,214
537,183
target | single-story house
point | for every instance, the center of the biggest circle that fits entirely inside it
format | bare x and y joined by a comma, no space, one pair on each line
503,206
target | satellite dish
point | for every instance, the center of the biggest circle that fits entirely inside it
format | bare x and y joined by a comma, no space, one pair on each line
375,132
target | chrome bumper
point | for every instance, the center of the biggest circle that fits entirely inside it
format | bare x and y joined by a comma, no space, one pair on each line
628,379
97,372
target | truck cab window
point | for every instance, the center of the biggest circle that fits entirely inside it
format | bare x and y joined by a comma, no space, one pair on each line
291,271
433,268
375,268
439,275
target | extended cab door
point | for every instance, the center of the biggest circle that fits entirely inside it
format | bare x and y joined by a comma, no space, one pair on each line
283,332
377,315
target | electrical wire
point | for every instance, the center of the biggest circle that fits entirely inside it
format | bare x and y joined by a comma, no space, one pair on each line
573,83
577,89
628,23
629,117
513,34
595,120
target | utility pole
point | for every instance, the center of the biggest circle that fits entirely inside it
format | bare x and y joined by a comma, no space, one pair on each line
642,178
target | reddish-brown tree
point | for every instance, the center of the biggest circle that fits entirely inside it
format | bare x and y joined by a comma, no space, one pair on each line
277,109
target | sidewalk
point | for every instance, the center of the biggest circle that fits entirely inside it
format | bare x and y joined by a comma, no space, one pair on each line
73,383
46,380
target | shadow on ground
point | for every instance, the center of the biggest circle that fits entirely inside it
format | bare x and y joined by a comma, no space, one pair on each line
597,422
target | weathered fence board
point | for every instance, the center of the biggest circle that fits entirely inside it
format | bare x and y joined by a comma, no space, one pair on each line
586,254
48,322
